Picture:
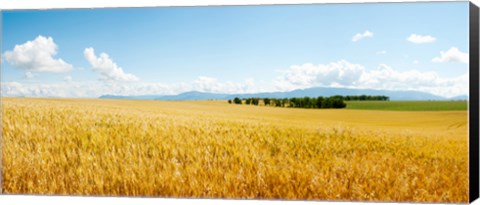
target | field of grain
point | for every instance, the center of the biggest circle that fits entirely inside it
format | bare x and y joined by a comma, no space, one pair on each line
212,149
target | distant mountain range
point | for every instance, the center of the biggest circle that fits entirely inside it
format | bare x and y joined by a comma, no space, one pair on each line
310,92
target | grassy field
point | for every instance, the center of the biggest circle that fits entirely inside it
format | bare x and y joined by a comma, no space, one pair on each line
407,105
212,149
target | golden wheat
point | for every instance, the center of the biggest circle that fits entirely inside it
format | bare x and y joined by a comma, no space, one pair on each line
213,149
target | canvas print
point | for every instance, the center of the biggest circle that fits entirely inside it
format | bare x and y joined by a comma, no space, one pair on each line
329,102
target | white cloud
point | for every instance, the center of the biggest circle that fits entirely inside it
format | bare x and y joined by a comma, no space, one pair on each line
308,75
385,77
67,78
34,90
79,89
37,56
349,75
29,75
414,38
452,55
140,88
109,70
360,36
382,52
208,84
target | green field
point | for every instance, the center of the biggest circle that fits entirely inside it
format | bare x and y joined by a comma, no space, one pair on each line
407,105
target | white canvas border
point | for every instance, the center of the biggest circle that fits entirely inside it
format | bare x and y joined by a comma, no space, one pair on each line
55,4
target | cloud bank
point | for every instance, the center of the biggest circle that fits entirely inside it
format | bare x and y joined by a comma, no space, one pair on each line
93,89
349,75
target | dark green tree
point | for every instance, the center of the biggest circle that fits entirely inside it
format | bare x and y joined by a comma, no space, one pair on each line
326,103
319,102
278,103
255,101
306,102
266,101
237,100
285,102
337,103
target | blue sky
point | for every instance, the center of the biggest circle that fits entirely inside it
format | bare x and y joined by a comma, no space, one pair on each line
235,49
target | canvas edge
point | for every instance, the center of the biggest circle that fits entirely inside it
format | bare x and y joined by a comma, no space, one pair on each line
474,103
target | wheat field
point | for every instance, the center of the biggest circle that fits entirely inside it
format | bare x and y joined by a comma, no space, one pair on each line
212,149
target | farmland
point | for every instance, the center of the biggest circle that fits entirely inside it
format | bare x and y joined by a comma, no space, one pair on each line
408,105
212,149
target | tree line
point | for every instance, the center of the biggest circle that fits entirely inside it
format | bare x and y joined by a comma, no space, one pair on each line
336,101
364,97
305,102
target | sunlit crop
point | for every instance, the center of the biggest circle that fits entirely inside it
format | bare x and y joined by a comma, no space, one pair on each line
212,149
